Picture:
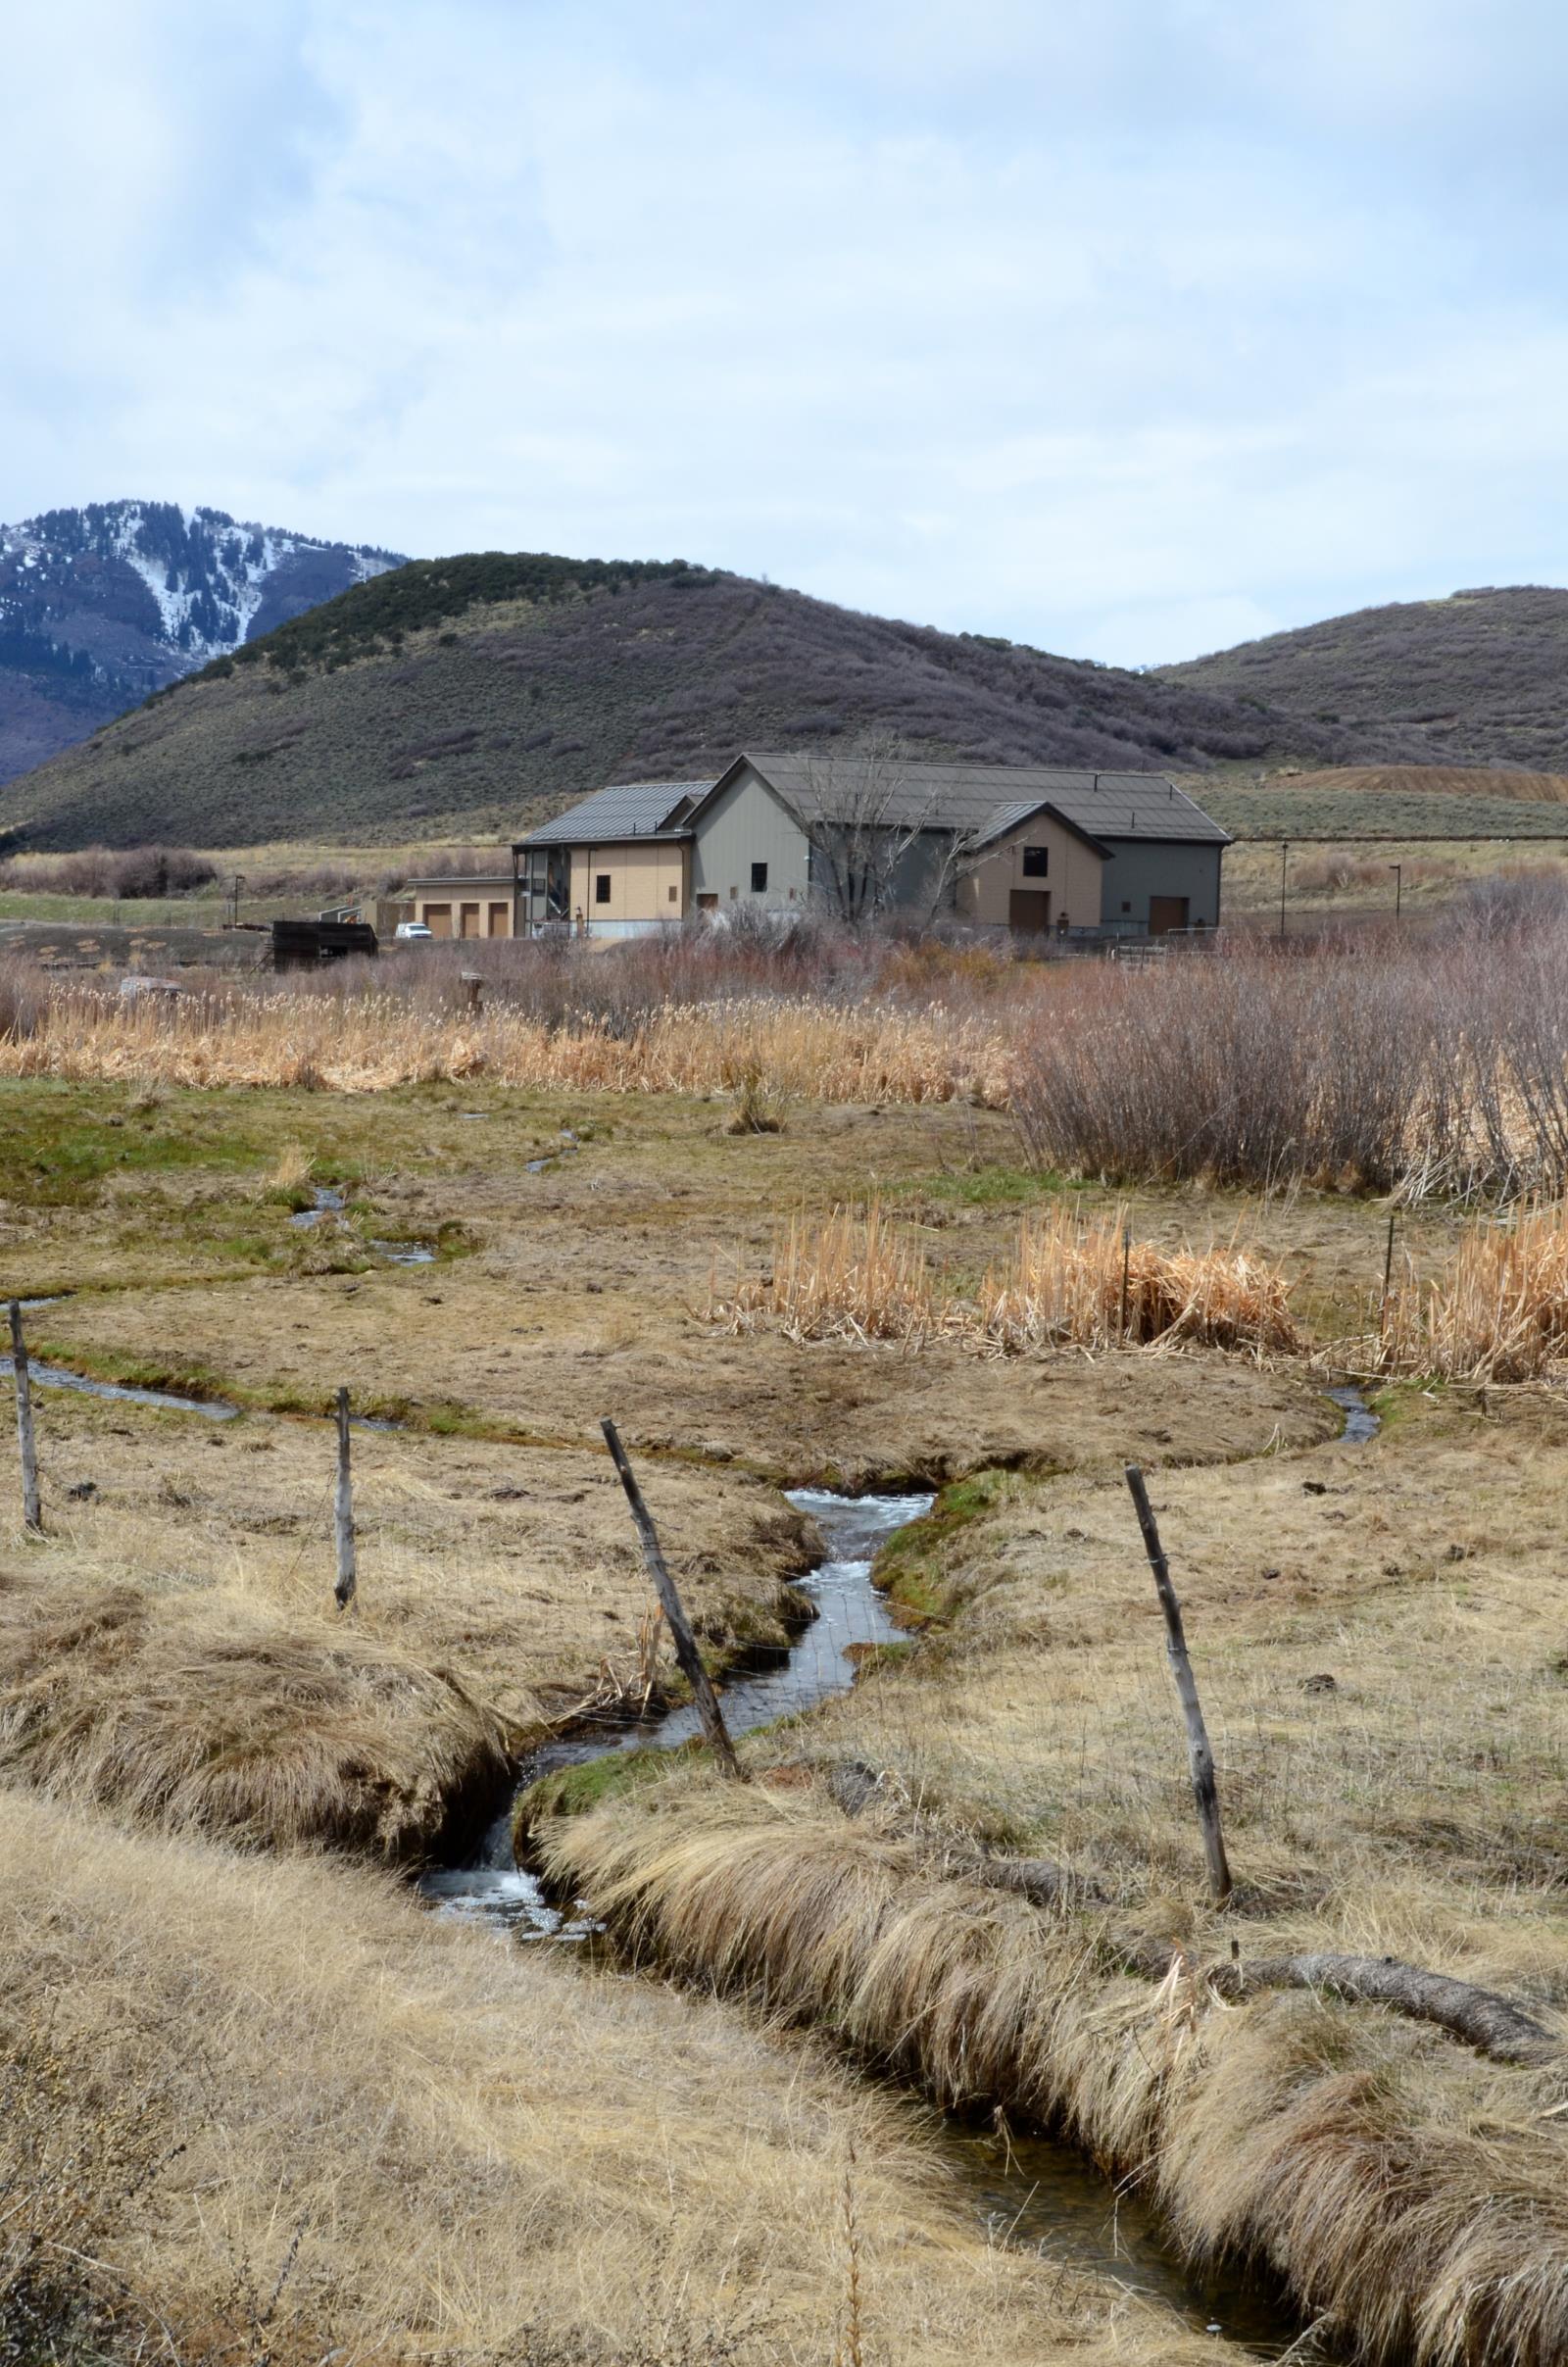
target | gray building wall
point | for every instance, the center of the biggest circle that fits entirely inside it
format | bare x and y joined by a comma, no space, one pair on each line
1141,867
747,824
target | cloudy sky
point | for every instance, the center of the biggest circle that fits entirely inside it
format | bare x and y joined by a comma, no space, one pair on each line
1126,327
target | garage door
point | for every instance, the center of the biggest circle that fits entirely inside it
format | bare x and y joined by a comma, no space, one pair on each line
1029,911
1166,913
438,919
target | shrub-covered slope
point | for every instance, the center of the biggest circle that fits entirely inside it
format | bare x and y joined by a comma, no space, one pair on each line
478,693
1482,675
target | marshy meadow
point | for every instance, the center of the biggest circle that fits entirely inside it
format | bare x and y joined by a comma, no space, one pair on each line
408,1981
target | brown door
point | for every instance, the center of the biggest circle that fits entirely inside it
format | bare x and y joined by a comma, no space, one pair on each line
498,921
708,904
1166,913
470,921
1029,911
438,919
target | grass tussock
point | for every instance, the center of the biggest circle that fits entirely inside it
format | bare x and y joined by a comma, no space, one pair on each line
197,1715
1498,1312
1065,1283
1403,2189
290,2117
1092,1285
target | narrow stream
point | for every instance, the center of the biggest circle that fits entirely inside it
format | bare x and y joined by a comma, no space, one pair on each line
1029,2190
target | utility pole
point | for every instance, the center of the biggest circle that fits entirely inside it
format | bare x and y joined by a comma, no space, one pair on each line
1399,884
1285,857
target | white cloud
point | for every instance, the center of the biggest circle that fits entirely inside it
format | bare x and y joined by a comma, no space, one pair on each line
1111,326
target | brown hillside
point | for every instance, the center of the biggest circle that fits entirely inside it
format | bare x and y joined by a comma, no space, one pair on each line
473,695
1481,675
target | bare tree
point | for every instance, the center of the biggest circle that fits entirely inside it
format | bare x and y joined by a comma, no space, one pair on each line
878,834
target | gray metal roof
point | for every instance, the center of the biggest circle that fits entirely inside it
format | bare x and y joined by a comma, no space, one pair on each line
630,809
990,799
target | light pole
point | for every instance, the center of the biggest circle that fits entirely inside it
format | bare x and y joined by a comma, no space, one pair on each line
1285,857
1398,885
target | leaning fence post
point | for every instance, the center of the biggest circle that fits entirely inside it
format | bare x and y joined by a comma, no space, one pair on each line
1388,1277
1200,1756
31,1508
686,1651
343,1511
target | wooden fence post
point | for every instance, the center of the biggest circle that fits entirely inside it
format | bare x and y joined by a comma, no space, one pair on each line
343,1511
1388,1278
31,1508
1200,1756
680,1628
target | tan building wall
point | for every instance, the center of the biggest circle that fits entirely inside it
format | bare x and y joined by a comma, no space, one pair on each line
463,908
648,884
1000,894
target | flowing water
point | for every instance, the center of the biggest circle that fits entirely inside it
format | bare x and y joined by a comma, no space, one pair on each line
1029,2190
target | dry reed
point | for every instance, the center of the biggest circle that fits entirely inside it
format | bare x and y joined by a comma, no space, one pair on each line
848,1278
797,1045
1402,2187
1092,1284
1066,1283
1499,1313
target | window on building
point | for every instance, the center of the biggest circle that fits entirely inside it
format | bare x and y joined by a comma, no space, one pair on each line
1035,861
759,880
1125,905
600,887
674,895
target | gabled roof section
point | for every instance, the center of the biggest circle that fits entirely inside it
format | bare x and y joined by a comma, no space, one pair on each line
630,809
975,798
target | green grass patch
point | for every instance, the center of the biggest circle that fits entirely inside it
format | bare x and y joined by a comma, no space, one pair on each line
914,1567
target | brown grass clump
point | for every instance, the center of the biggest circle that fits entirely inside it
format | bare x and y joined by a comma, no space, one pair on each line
1411,2193
203,1717
389,2137
865,1278
1499,1313
1092,1285
849,1278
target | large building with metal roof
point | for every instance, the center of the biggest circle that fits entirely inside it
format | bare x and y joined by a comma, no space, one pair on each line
1026,848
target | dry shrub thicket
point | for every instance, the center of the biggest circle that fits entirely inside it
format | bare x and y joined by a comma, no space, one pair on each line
1421,1070
1403,2188
1068,1282
1421,1067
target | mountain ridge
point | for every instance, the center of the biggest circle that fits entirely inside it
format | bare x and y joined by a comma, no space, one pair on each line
484,691
102,604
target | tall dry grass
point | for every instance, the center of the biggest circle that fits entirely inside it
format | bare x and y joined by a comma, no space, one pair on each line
457,2148
1498,1312
797,1046
1065,1283
205,1713
1410,2194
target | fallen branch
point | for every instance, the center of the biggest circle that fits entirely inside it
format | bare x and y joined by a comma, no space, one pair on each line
1492,2024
